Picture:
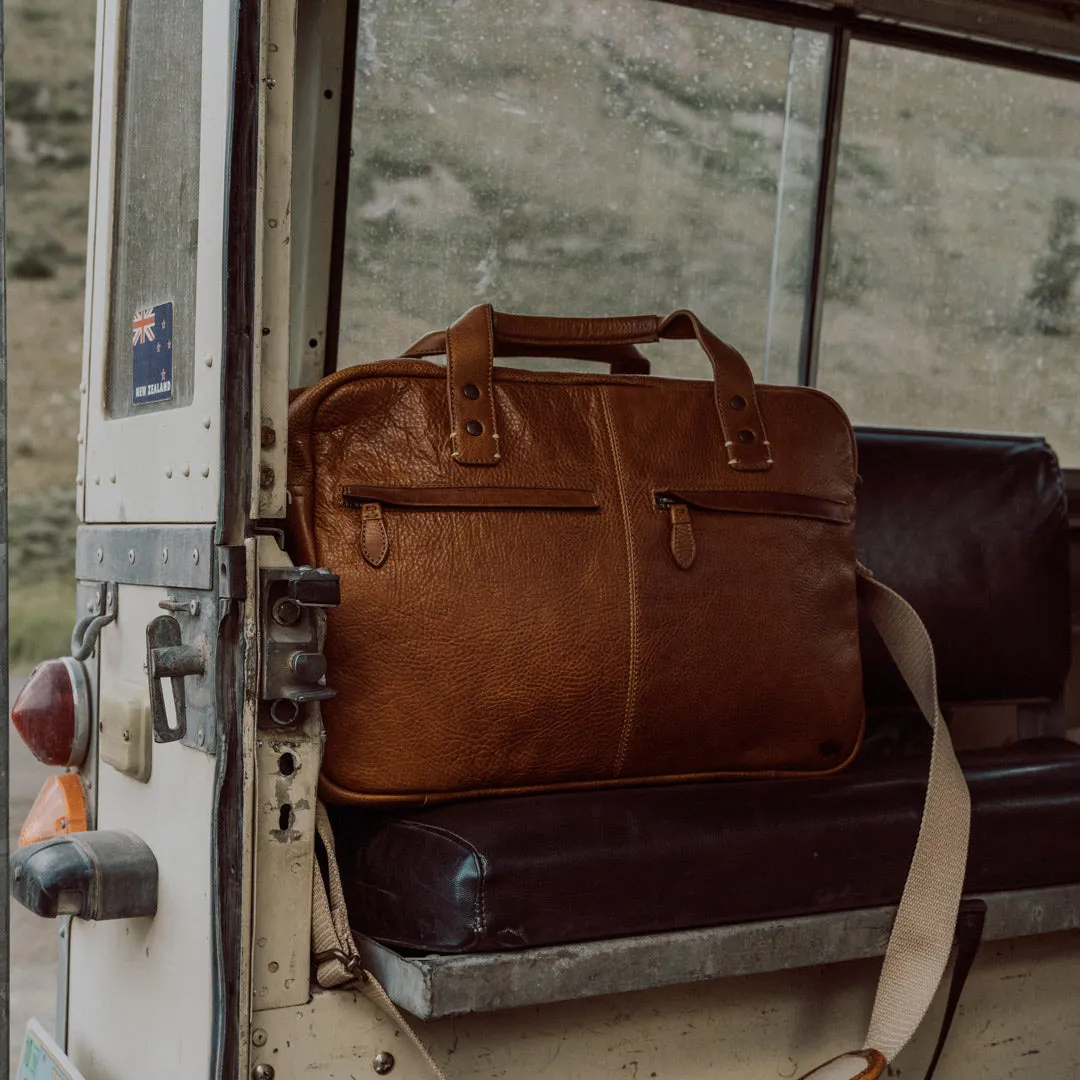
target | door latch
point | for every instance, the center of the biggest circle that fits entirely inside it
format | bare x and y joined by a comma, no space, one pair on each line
167,657
293,601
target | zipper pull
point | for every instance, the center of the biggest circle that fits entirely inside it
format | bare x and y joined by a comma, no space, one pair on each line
374,539
682,534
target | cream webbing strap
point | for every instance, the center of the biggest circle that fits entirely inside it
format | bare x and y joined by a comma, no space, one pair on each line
922,932
337,959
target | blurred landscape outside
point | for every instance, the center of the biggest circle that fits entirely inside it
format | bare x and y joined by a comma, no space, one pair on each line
566,158
604,158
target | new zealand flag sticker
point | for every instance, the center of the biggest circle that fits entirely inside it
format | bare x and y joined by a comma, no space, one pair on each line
151,355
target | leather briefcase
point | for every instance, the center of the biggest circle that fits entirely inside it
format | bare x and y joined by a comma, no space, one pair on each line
554,580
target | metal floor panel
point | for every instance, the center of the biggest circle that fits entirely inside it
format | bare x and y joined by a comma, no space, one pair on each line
433,987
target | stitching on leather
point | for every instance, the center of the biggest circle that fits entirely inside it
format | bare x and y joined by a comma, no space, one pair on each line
479,906
490,384
363,542
685,544
631,571
451,378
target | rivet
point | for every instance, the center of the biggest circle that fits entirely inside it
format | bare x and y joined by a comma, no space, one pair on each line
470,391
746,436
271,82
78,481
273,966
208,361
99,555
125,735
97,480
186,470
112,478
266,477
165,555
168,472
738,403
258,1037
268,436
205,470
474,427
195,556
79,438
131,556
383,1063
206,421
201,740
272,223
82,388
262,1072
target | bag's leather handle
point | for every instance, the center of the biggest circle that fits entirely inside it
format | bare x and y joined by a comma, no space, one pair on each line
623,359
472,344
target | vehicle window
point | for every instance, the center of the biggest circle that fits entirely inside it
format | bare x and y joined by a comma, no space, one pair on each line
157,210
597,159
955,248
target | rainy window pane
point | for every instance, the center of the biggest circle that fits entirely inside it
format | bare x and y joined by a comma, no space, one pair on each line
952,299
565,159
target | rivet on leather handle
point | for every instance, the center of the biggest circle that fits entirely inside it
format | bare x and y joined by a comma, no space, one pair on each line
470,352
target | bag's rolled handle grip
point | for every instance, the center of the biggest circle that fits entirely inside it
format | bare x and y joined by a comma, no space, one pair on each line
623,359
473,342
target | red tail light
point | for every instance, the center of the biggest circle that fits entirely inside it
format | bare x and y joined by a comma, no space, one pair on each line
52,712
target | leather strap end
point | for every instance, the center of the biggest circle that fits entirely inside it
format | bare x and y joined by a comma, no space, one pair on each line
858,1065
470,349
746,441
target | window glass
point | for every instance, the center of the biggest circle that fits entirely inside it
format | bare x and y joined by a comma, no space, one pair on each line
559,158
951,297
151,338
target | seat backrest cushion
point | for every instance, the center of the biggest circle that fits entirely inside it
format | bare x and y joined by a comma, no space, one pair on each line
972,530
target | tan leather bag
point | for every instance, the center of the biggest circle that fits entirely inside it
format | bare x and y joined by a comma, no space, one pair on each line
555,580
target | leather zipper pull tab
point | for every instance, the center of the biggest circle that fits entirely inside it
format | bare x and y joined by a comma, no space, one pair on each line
374,539
682,535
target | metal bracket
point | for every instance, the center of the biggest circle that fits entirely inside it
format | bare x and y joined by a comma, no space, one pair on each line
102,611
292,601
172,556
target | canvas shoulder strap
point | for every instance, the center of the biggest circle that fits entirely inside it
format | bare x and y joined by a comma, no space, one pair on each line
922,932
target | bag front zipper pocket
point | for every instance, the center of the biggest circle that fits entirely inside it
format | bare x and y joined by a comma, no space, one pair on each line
769,503
371,501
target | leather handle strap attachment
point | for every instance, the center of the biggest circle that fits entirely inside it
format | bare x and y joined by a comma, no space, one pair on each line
621,359
473,342
922,932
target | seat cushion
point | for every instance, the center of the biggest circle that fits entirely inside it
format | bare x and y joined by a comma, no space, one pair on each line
542,870
972,530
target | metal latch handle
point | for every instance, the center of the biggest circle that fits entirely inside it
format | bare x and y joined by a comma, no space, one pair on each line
167,657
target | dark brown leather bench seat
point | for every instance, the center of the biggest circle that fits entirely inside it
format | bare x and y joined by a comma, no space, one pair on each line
552,869
974,531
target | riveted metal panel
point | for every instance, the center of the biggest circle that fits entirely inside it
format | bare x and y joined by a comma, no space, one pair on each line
175,556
